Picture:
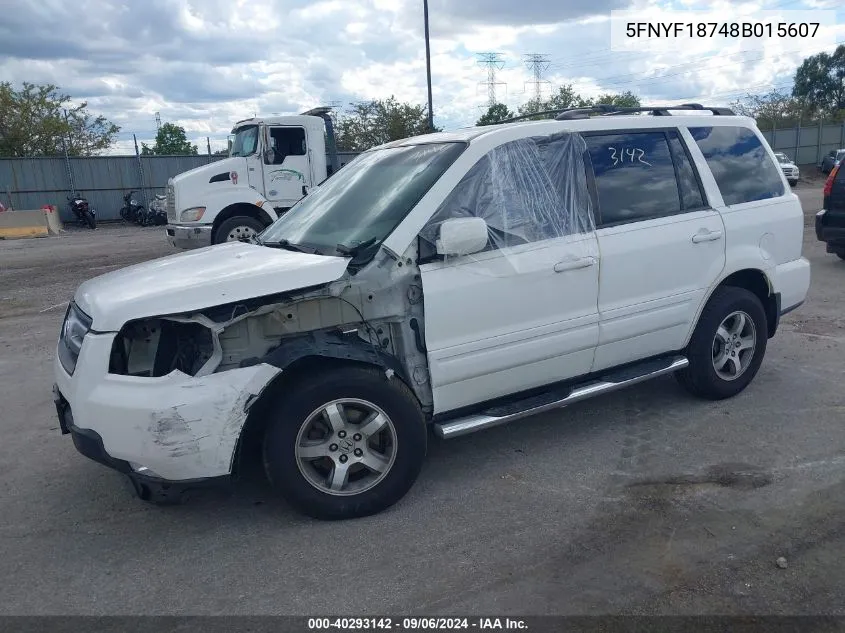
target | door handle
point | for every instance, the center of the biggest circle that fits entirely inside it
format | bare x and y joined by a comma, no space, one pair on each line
574,264
708,236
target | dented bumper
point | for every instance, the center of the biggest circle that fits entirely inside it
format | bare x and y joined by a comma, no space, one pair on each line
173,428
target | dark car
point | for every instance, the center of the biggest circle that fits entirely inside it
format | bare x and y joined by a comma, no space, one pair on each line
830,221
831,160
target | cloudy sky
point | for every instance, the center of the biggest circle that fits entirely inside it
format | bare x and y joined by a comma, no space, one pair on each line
205,64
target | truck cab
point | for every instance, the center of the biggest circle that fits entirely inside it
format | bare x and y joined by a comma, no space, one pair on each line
272,163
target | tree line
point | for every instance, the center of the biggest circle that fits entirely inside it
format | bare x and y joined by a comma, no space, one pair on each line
40,120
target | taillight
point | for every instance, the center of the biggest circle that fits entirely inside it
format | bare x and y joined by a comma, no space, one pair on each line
828,184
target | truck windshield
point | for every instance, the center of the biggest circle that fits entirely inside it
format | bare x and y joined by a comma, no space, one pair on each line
363,202
246,141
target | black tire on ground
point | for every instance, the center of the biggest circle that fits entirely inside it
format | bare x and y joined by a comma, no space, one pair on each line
239,224
89,219
299,402
700,377
840,254
792,183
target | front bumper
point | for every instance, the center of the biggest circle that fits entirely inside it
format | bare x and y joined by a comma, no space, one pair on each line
147,487
188,236
175,428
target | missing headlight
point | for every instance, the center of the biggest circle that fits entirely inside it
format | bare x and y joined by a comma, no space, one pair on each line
156,347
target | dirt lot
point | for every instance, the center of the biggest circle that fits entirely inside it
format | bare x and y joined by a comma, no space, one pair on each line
646,501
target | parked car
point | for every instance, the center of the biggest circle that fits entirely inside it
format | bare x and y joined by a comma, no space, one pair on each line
831,160
830,221
458,280
790,169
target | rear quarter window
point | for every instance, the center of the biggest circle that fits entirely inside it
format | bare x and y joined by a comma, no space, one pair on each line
740,163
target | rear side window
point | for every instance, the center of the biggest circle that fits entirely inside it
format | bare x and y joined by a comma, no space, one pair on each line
740,164
635,176
692,194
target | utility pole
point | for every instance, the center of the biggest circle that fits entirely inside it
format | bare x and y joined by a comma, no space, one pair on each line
158,121
537,63
493,63
428,68
68,169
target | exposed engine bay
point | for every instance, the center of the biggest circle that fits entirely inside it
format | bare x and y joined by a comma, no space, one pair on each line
374,316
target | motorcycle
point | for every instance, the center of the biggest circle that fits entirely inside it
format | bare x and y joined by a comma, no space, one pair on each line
85,215
131,210
157,213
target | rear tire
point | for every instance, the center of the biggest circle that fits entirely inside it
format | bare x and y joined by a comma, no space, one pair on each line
840,254
727,346
237,228
345,443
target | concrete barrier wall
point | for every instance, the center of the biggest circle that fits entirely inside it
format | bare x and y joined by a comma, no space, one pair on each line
19,224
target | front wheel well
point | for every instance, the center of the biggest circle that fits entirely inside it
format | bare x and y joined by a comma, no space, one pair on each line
259,413
241,208
756,281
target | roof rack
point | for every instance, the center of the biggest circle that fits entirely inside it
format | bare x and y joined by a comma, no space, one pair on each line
604,109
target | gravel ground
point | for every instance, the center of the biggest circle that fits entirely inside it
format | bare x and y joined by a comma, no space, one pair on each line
645,501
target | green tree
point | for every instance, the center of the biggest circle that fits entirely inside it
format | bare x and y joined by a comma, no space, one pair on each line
772,110
625,99
38,120
566,97
820,83
170,141
379,121
495,113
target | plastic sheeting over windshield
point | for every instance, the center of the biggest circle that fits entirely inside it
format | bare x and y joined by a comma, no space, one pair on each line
527,191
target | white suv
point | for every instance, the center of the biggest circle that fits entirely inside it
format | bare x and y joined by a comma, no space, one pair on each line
454,280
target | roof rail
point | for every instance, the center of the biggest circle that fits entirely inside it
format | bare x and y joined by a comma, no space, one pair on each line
605,109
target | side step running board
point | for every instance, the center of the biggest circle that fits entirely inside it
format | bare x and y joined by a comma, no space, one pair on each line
611,382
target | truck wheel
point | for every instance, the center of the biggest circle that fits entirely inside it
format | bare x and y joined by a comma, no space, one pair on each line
727,346
346,443
238,228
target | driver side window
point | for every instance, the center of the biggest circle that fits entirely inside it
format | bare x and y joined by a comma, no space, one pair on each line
285,141
527,190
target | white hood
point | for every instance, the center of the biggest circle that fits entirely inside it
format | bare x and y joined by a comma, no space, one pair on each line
199,279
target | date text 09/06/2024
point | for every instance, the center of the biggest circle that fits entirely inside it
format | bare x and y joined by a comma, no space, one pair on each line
721,29
416,624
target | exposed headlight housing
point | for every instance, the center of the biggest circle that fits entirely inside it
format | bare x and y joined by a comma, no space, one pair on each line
74,328
194,214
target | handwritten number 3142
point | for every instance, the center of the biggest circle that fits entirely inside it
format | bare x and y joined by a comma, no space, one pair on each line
631,154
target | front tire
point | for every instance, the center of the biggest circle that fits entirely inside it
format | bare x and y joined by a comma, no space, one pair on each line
240,227
792,183
727,346
840,254
89,219
345,443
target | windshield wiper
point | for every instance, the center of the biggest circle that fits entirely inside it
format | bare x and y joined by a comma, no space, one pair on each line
287,245
352,251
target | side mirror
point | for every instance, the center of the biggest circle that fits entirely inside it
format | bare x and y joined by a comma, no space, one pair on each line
462,236
269,156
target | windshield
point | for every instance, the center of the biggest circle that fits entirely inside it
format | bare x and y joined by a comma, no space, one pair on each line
246,141
364,201
782,157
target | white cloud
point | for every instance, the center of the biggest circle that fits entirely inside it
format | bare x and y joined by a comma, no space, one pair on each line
205,64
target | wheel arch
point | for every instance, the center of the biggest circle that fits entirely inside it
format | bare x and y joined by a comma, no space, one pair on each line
240,208
755,281
298,370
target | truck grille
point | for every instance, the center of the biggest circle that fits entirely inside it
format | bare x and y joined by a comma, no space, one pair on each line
171,204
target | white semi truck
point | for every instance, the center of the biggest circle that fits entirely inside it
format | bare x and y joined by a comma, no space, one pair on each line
272,163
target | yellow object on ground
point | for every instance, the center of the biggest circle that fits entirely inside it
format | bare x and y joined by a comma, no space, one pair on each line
21,224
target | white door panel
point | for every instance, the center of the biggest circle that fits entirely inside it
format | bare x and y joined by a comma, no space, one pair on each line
502,321
284,181
653,276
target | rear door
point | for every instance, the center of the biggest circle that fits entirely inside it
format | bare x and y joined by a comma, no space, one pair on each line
661,243
286,167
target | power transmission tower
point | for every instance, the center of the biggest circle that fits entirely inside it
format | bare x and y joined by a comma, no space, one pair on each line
493,63
537,63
